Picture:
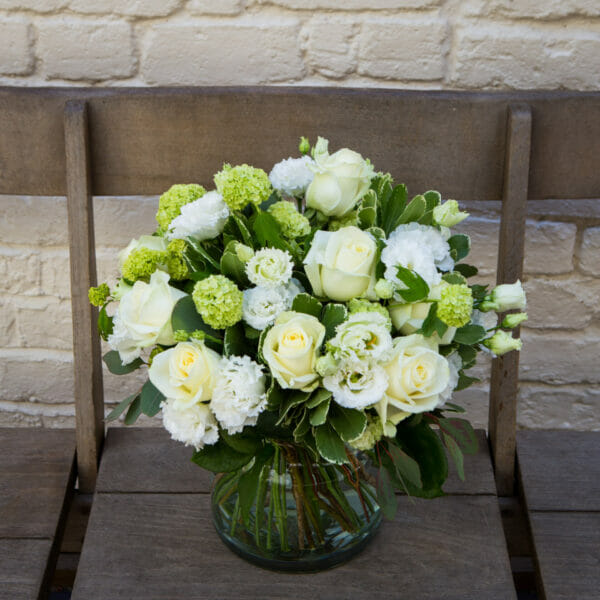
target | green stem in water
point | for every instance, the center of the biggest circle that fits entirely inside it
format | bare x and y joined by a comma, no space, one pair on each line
260,501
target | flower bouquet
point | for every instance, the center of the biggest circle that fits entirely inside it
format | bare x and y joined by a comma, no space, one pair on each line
304,332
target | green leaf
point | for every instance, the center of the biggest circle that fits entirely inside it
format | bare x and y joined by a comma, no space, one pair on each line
406,466
186,317
433,199
454,278
303,427
151,399
118,410
235,343
329,444
220,458
462,431
366,217
208,256
233,267
305,303
417,289
414,211
465,381
459,246
348,422
319,396
105,324
236,228
385,494
468,355
266,426
275,396
393,203
134,411
456,455
422,444
466,270
245,442
333,315
248,483
268,231
432,324
451,407
469,334
116,367
318,415
291,398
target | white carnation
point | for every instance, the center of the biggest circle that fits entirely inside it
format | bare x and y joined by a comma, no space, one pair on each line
239,395
487,320
269,267
357,384
364,335
419,248
261,305
455,364
292,176
202,219
193,425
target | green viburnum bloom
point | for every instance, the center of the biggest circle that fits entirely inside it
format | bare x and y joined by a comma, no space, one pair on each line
176,264
99,295
514,320
455,305
198,335
141,263
292,223
242,185
370,436
218,301
502,342
181,335
156,350
170,203
349,220
360,305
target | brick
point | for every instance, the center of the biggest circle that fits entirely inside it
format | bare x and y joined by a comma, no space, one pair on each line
549,247
80,49
589,255
560,357
8,323
483,232
551,407
12,416
246,51
55,273
408,49
135,8
330,47
210,7
549,9
20,271
561,303
41,6
522,57
118,220
353,4
16,51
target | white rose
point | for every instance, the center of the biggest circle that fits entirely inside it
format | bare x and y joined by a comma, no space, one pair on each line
194,425
418,376
270,267
144,316
341,180
186,373
290,349
364,335
202,219
357,384
152,242
341,264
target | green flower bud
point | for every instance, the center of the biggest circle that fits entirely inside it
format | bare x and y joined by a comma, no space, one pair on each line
326,365
243,252
384,289
448,214
99,295
514,320
502,342
304,145
505,297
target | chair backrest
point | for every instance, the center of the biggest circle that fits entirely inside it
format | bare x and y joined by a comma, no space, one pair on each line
470,146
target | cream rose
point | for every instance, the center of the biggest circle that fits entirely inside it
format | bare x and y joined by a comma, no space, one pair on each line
341,264
341,180
144,316
185,374
290,349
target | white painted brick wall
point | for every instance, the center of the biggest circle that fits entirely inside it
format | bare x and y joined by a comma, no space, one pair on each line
427,44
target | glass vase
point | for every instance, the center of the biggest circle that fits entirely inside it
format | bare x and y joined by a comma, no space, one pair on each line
297,514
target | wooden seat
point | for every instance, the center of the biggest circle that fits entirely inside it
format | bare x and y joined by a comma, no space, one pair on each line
37,471
150,535
560,481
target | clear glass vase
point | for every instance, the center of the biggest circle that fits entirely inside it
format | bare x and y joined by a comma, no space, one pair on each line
298,515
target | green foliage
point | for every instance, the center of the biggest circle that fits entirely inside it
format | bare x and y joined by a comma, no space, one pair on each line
118,410
417,288
348,422
134,411
414,211
220,458
105,324
460,245
469,334
318,415
454,278
329,444
466,270
386,498
186,317
116,367
456,454
462,432
150,399
333,315
432,324
305,303
319,395
237,229
232,266
245,442
393,204
235,342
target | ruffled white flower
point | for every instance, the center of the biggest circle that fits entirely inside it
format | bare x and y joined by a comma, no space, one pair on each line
357,384
193,425
487,320
364,335
455,364
269,267
202,219
292,176
261,305
239,396
419,248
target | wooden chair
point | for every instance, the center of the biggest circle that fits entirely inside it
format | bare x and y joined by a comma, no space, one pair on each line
149,533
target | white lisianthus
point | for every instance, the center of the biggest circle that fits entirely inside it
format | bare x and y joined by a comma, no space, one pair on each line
341,180
194,425
364,335
341,264
239,394
290,350
507,296
357,384
152,242
502,342
202,219
487,320
292,176
186,374
448,214
143,317
455,365
419,248
261,305
269,267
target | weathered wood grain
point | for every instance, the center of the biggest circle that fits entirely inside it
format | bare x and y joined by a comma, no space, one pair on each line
87,365
567,546
145,140
560,470
22,568
36,469
450,548
504,383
